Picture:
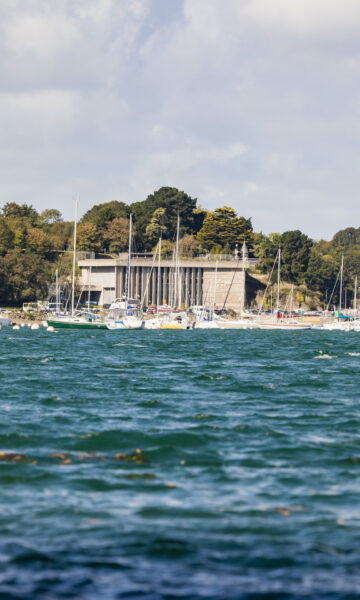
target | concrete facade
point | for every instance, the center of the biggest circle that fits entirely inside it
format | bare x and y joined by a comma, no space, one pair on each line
199,281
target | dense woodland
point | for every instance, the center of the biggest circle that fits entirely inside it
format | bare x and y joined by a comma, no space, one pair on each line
33,245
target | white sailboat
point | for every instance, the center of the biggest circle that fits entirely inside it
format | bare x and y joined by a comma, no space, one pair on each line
239,323
125,313
155,322
340,324
176,319
205,318
75,320
277,323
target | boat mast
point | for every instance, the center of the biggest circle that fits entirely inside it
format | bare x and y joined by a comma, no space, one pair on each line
278,287
215,284
57,303
158,281
178,292
128,276
89,289
341,280
74,260
172,282
355,293
244,255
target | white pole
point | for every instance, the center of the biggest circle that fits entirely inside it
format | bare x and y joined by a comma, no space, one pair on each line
158,281
74,259
177,263
57,292
215,283
278,286
341,280
243,299
89,289
355,294
172,282
128,277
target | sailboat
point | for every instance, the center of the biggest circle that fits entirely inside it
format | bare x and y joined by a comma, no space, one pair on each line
75,320
277,323
342,323
238,323
175,319
204,318
125,313
155,322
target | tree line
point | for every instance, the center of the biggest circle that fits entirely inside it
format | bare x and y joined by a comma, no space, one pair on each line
33,245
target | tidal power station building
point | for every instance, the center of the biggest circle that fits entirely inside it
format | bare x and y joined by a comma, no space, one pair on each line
207,279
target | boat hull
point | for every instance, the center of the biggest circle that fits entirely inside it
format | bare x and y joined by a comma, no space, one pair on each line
62,324
124,325
206,325
224,324
284,326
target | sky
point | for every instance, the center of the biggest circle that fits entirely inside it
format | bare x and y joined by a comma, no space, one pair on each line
253,104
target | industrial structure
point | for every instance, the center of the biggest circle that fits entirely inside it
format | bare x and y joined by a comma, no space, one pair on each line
215,279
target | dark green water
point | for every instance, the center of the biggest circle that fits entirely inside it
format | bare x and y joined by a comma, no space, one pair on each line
245,483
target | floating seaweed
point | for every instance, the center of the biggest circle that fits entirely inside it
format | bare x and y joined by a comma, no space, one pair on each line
12,456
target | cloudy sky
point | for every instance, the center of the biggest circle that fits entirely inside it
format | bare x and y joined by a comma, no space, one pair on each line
249,103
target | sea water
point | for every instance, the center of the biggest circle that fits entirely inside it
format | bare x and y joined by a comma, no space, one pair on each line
179,464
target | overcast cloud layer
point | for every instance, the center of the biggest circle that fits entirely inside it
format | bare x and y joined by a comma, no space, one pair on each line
250,103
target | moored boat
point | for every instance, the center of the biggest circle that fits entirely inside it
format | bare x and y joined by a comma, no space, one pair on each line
276,322
76,322
124,315
281,325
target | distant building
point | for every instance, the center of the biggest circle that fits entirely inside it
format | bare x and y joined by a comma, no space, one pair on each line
199,280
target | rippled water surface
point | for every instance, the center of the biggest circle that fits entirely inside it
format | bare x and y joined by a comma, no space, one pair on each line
179,464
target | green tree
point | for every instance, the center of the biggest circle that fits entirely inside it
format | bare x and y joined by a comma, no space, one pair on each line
321,273
216,249
175,203
101,214
188,246
38,241
50,216
167,248
352,263
25,277
156,226
116,234
346,238
6,237
223,227
20,238
295,255
266,248
60,234
88,237
20,212
199,215
20,218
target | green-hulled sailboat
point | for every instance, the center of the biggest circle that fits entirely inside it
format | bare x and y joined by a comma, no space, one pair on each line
75,320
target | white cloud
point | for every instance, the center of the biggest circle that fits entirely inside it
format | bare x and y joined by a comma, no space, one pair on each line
193,154
329,18
251,187
67,44
252,103
54,109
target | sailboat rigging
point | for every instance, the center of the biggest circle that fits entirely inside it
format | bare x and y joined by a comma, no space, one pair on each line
125,313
